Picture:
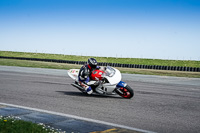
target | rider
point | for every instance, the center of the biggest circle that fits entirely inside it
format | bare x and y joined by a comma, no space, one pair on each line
85,72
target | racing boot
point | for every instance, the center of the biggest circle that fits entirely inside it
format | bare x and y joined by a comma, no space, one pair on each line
87,88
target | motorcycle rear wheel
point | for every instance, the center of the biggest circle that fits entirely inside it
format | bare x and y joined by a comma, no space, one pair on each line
125,92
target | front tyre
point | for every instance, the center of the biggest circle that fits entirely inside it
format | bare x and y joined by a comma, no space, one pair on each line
125,92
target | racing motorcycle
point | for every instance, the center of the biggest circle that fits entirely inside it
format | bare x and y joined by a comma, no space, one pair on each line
106,81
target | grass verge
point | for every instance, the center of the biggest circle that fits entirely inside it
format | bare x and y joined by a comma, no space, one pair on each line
184,63
12,124
38,64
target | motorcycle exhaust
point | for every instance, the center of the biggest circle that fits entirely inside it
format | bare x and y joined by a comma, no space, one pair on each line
79,87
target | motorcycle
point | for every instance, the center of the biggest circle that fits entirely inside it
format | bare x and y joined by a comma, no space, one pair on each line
105,81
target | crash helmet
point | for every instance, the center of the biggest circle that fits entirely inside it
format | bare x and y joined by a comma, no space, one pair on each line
92,62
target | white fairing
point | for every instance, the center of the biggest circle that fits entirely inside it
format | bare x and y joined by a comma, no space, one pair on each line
115,77
73,73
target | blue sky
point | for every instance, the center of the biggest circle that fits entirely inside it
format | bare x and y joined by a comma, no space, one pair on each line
161,29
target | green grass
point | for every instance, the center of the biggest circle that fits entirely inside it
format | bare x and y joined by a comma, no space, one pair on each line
13,125
38,64
186,63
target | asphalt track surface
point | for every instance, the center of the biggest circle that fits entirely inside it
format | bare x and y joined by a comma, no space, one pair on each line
161,104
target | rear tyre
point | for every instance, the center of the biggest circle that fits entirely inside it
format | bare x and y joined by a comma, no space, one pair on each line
125,92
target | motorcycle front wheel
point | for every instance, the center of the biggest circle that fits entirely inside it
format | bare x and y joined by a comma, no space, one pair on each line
125,92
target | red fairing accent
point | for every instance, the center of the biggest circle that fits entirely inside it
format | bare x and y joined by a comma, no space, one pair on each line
97,75
89,67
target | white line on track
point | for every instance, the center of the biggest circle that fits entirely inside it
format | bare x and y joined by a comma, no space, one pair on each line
77,117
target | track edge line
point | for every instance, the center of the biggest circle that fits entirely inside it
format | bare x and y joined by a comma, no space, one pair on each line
77,117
